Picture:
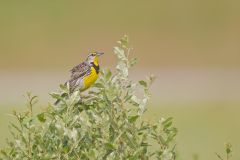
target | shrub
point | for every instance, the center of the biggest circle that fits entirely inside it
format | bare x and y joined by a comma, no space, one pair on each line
107,123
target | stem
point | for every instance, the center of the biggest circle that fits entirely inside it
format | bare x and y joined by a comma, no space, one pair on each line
219,156
128,52
29,146
29,129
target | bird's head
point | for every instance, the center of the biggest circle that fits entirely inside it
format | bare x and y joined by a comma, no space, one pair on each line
93,57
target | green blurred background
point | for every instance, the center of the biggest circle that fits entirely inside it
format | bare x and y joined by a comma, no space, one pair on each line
193,47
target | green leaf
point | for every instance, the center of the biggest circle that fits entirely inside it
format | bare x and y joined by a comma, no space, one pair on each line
123,69
143,83
108,74
152,78
135,100
228,148
41,117
55,95
219,156
167,123
167,120
145,144
16,127
124,42
133,119
133,61
127,97
109,146
64,88
98,85
120,54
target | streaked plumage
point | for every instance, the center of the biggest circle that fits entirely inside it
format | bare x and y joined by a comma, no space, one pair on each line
77,75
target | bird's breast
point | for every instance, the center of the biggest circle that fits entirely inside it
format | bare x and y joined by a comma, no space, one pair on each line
90,79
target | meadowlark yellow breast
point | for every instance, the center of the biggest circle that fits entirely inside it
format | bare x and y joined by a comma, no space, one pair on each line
85,74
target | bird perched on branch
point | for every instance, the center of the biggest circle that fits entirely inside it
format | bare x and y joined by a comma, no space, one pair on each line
84,74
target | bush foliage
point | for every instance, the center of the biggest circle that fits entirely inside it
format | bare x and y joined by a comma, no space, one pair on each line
105,123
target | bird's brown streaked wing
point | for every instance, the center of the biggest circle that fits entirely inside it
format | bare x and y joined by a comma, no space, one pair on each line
79,67
76,73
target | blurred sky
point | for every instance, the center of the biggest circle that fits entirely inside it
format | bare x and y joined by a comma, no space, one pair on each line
47,35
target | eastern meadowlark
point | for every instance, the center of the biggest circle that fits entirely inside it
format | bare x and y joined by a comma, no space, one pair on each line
84,74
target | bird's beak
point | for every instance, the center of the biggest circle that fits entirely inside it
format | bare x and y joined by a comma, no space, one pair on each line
100,53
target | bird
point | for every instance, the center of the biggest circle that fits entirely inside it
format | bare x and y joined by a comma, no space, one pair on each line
84,74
